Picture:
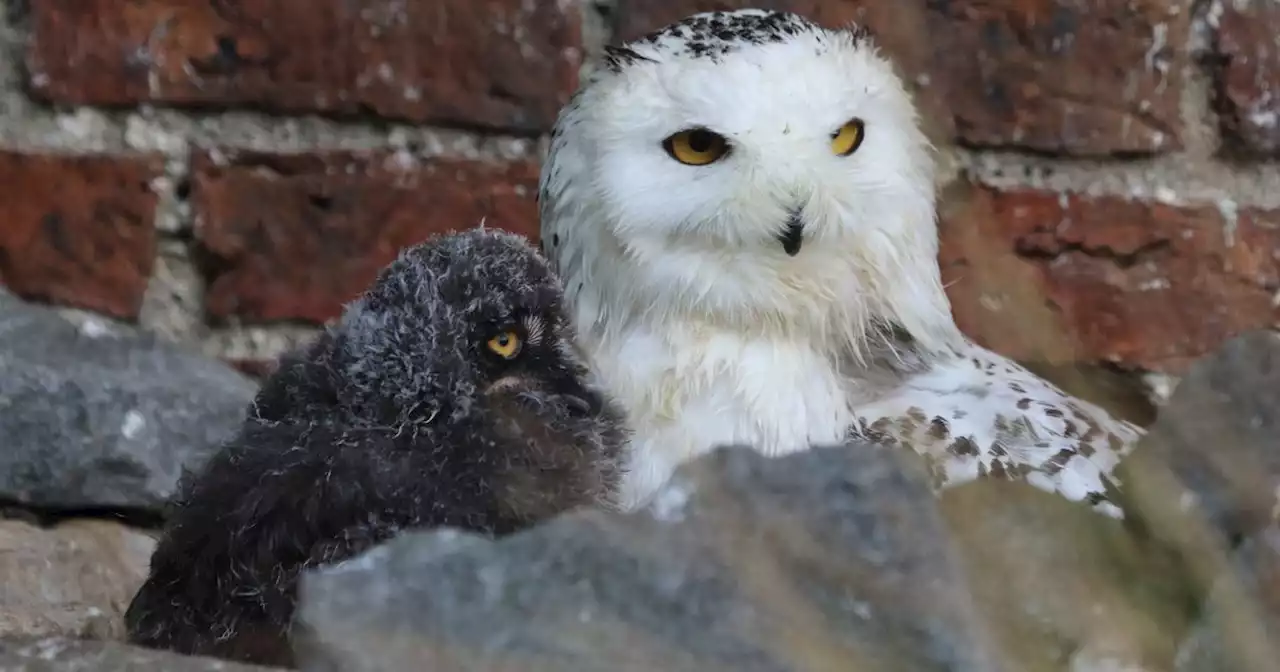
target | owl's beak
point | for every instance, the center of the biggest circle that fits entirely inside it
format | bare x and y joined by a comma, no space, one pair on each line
510,384
531,391
793,236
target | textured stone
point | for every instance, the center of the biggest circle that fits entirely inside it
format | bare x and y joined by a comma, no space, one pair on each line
1042,275
73,580
1207,475
500,63
1240,626
1057,583
293,237
100,416
834,558
1247,80
1216,438
1086,78
60,654
78,230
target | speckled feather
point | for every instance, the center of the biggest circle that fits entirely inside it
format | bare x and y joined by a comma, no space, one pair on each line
396,417
980,415
710,332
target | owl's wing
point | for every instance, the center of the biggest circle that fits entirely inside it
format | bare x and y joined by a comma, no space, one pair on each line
983,416
274,498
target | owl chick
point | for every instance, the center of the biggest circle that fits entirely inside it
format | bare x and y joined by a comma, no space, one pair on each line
741,205
447,395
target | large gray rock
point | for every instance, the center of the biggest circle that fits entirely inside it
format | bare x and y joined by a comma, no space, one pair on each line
103,416
1239,630
1064,588
1206,477
834,558
72,580
71,655
1214,450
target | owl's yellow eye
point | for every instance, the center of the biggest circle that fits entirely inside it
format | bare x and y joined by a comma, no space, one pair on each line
505,345
696,146
846,140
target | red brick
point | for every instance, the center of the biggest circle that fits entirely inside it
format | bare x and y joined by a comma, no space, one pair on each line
1040,275
1247,79
78,230
1085,78
293,237
507,64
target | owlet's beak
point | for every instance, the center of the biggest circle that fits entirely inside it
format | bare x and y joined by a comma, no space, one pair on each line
793,236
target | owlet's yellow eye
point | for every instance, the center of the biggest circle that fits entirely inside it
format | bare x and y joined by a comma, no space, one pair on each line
696,146
846,140
505,345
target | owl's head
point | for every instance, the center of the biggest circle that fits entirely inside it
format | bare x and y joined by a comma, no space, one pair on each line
751,166
462,331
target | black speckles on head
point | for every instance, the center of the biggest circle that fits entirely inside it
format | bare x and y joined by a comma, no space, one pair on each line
713,34
860,33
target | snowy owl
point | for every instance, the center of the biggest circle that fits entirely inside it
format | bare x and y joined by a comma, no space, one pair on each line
741,207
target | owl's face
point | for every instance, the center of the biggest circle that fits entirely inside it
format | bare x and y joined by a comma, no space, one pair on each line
794,136
809,140
463,324
744,163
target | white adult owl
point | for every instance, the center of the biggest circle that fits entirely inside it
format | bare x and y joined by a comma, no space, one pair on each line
741,207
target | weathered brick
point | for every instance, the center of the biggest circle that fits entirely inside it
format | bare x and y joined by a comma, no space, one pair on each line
294,236
1042,275
1084,77
1247,79
501,63
78,230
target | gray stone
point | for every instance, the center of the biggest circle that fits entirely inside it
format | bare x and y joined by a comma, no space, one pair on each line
1213,453
72,580
1064,588
1207,475
1239,630
71,655
831,559
99,415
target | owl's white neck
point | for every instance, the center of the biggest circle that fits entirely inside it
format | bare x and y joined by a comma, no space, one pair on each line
829,298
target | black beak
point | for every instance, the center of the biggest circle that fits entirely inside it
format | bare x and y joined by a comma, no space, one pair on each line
793,236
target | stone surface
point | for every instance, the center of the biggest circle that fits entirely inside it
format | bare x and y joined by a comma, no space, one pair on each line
1240,626
1060,277
78,230
1213,453
834,558
73,580
1096,78
1063,588
293,237
500,63
99,416
59,654
1247,79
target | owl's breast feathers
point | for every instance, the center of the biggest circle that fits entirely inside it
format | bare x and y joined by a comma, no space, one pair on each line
982,416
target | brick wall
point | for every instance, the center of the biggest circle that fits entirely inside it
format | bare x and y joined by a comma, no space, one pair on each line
230,172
